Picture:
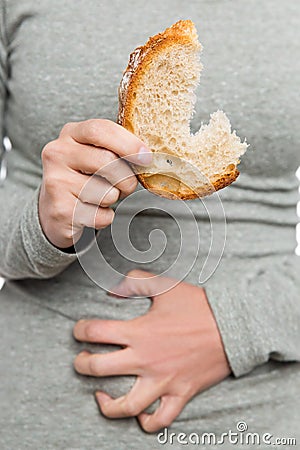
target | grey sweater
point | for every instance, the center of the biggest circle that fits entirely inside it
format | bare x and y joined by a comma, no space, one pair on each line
61,62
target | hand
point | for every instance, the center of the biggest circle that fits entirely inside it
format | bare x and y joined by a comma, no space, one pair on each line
175,350
81,150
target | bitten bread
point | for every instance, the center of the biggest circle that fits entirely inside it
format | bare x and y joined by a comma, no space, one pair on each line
156,103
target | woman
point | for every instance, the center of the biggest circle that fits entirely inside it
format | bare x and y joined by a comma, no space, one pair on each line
61,64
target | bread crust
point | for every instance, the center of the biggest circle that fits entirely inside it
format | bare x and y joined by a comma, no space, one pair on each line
157,187
182,32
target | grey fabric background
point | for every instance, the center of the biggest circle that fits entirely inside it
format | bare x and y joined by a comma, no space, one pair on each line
62,61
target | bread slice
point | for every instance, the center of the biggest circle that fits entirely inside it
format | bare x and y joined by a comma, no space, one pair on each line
156,103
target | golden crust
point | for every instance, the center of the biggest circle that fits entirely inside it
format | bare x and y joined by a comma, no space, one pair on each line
225,179
177,190
182,32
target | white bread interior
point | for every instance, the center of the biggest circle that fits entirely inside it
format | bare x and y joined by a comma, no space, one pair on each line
157,100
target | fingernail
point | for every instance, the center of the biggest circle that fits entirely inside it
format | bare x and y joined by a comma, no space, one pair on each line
144,156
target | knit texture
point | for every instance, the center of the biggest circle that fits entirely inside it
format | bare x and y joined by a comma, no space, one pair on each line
62,62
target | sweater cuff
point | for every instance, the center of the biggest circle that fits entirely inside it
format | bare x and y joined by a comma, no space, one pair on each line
46,260
234,319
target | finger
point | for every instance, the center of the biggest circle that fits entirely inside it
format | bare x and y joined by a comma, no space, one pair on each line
102,331
96,191
86,215
140,283
142,395
107,134
118,362
90,160
169,408
106,164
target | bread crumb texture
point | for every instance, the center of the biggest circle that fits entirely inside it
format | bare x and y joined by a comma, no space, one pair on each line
156,103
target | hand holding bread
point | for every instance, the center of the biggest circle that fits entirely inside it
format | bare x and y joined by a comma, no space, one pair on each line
83,172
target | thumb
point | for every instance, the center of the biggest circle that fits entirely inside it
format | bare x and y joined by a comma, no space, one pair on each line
138,283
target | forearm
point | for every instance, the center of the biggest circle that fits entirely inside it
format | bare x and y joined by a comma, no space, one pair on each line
25,252
258,317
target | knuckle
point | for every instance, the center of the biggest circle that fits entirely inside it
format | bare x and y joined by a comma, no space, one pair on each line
111,196
53,183
57,216
98,128
66,129
108,158
60,211
104,218
94,128
164,422
94,365
131,408
91,331
50,151
133,182
56,152
107,125
68,235
129,185
186,391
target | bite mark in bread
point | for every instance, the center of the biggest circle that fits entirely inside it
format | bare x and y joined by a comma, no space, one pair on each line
159,84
